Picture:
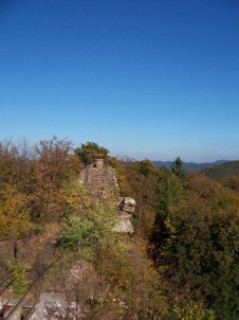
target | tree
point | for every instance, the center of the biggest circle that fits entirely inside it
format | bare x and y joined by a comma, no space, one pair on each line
204,247
55,167
91,232
177,168
191,311
90,151
52,156
16,165
146,168
14,213
170,194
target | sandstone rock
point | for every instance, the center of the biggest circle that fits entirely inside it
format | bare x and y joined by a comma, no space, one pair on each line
127,204
101,179
124,225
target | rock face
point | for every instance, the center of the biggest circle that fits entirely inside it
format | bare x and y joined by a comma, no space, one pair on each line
124,224
55,305
127,204
101,179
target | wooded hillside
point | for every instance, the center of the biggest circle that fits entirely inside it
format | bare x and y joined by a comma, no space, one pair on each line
180,263
227,169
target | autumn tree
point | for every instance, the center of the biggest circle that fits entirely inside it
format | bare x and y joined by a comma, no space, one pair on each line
16,165
55,171
15,189
14,213
90,151
231,182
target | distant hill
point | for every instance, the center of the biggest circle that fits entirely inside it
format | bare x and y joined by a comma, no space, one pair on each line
230,168
190,166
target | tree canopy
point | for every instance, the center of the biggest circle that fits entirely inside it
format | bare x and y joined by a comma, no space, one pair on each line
182,260
90,151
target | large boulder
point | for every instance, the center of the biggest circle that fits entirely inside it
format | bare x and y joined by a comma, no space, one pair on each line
127,204
124,224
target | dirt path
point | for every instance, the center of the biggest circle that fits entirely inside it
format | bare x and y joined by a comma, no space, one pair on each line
46,248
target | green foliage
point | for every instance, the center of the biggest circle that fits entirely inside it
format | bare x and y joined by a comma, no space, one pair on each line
147,168
191,311
178,169
196,235
91,232
138,179
90,151
120,169
205,249
19,269
170,194
91,237
230,168
195,224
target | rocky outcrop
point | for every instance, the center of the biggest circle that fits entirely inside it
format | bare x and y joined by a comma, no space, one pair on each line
124,224
101,180
127,204
125,207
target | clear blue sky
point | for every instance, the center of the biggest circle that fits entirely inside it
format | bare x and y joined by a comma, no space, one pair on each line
145,78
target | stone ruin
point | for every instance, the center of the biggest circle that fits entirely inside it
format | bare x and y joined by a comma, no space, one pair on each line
101,179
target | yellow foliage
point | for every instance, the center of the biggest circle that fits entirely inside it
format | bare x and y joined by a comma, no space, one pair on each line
14,212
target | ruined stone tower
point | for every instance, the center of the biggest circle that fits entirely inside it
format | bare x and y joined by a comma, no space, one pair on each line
101,180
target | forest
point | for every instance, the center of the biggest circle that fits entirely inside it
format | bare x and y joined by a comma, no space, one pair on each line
181,262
